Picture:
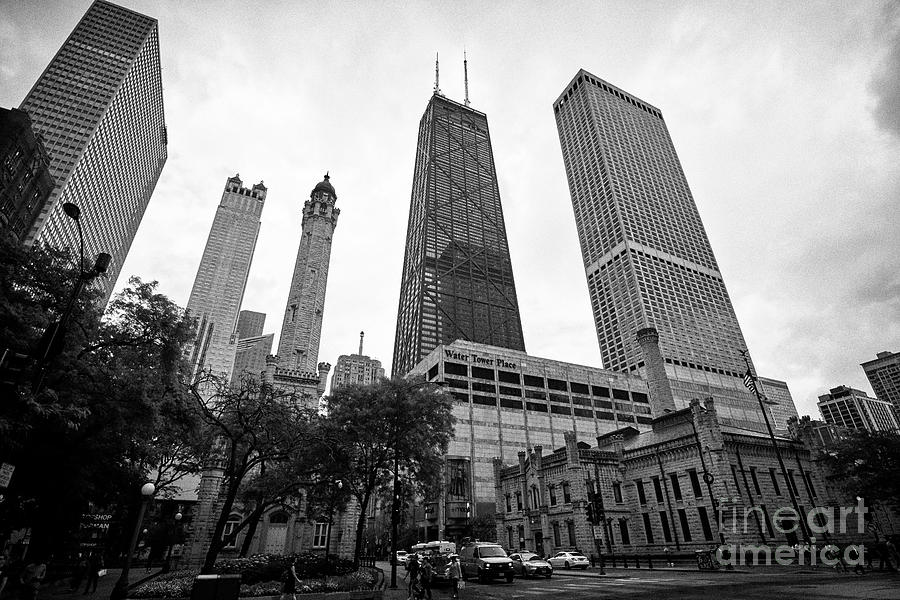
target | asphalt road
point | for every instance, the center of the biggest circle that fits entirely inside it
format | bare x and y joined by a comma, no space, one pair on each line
662,585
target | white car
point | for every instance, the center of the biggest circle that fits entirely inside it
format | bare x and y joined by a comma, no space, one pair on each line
402,557
569,560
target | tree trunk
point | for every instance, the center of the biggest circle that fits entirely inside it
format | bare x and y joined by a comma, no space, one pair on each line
252,524
360,526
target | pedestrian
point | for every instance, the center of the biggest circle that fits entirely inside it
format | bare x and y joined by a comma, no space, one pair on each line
289,581
94,567
79,573
31,579
426,574
412,574
454,574
852,554
668,554
4,570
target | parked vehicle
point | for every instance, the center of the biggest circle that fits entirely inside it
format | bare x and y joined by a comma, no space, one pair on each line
402,557
485,561
569,560
529,564
438,554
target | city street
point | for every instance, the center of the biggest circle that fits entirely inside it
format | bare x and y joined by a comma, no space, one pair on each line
683,584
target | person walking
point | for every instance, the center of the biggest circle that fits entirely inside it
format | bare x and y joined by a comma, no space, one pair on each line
94,565
31,579
289,581
79,573
412,574
426,575
4,570
454,574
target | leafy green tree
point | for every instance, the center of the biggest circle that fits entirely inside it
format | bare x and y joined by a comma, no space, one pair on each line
867,464
392,423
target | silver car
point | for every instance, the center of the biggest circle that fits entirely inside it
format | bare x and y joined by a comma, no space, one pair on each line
529,564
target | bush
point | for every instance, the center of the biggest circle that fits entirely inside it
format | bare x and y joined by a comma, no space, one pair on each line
270,567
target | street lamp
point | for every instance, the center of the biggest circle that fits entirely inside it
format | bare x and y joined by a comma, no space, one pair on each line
121,589
52,341
168,564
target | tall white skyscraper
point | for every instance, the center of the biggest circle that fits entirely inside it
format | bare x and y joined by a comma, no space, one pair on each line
647,258
222,276
99,108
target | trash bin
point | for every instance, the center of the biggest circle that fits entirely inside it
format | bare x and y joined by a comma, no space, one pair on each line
706,560
216,587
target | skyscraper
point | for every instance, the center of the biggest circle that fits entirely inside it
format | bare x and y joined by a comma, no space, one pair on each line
647,258
222,276
99,108
854,409
356,368
457,280
301,329
884,376
250,324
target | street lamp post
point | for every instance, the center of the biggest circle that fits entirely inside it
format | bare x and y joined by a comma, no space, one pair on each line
121,589
339,485
167,566
395,517
52,341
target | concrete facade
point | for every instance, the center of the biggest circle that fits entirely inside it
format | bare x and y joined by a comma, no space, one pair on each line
884,376
218,289
647,259
356,368
99,108
250,324
781,405
250,357
854,409
506,400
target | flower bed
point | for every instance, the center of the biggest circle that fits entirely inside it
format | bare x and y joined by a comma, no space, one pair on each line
178,584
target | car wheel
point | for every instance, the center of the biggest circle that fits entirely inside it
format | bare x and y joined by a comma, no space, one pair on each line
549,575
509,578
463,575
568,566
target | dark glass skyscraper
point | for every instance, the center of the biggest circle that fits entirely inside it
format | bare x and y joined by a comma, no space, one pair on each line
646,255
457,276
99,108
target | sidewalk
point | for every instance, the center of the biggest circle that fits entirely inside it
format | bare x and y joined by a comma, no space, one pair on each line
59,590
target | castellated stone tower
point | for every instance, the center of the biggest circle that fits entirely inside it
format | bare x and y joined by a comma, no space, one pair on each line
298,346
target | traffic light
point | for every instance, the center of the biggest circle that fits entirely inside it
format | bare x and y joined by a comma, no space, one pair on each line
590,514
468,510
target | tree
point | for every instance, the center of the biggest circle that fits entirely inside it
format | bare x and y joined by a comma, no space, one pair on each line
484,528
370,429
97,429
866,464
260,435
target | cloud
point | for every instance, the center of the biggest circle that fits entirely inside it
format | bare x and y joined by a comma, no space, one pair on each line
885,83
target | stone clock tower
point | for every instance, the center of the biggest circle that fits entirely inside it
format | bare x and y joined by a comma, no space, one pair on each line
298,346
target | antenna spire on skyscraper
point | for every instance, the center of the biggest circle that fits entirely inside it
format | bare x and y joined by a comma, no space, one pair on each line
437,75
361,334
466,76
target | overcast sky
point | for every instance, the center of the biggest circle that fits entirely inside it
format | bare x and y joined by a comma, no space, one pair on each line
786,118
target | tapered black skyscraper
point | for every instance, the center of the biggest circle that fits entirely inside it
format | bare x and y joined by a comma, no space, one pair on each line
457,276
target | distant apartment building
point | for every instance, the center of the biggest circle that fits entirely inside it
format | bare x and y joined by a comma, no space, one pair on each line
250,324
884,376
99,108
356,368
854,409
222,277
25,179
250,357
780,403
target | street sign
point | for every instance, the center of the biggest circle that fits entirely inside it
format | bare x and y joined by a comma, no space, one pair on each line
6,473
